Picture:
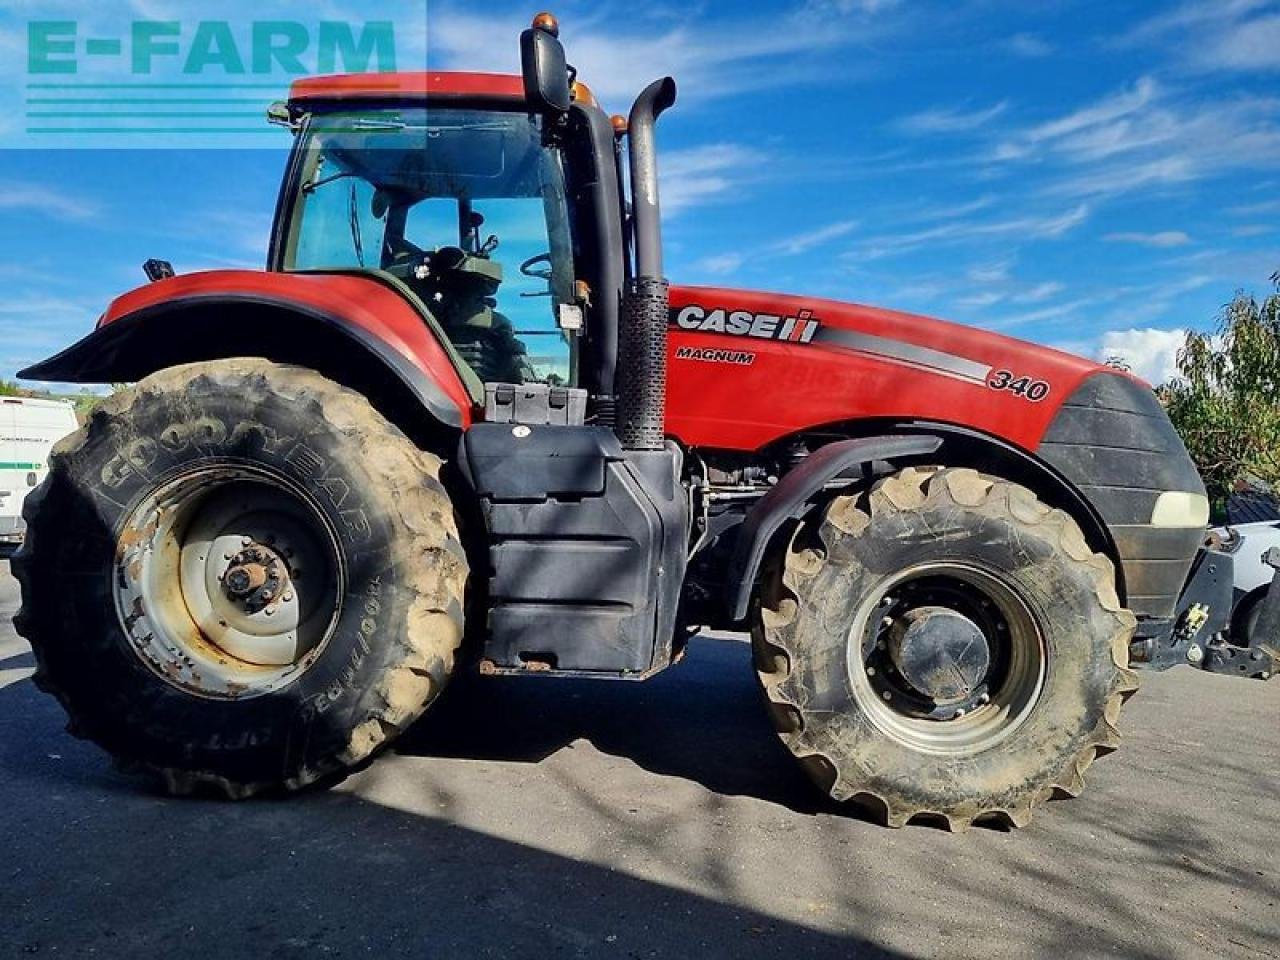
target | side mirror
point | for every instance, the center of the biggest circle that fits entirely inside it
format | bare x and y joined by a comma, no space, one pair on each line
546,74
280,115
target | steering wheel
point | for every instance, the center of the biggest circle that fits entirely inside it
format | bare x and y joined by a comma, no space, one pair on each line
527,267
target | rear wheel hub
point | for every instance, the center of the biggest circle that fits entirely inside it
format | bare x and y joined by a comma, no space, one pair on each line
228,582
258,577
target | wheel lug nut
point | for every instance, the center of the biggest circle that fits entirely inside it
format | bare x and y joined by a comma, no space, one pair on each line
887,695
245,541
984,699
288,597
871,671
886,622
959,714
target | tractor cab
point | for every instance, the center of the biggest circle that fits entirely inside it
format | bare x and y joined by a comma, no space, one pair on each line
493,204
465,206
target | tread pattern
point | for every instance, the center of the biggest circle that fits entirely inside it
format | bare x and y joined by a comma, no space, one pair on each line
433,562
786,588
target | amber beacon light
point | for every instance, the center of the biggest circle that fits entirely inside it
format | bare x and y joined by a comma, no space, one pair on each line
548,23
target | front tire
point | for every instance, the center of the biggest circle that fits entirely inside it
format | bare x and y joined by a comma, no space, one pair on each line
945,648
1245,629
239,574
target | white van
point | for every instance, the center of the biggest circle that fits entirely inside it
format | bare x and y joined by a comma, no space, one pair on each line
28,430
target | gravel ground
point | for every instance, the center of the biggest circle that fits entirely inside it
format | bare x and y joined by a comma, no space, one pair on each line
534,818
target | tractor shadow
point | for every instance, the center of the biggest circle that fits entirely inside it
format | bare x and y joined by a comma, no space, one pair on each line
94,864
702,720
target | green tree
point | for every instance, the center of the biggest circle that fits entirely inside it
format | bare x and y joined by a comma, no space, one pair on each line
1226,401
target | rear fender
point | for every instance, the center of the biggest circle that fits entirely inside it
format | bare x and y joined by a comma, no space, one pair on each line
355,330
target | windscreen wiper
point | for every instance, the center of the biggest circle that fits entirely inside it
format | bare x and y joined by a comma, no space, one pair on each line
313,185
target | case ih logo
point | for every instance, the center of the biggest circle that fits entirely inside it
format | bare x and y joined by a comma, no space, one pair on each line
743,323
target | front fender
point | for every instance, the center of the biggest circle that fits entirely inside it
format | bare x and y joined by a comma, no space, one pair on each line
332,322
794,494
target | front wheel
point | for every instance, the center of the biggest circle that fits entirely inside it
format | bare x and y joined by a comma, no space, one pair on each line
944,648
238,573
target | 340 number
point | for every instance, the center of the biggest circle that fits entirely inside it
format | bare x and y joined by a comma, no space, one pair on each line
1025,387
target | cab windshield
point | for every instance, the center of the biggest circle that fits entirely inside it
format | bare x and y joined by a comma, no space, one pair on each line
466,207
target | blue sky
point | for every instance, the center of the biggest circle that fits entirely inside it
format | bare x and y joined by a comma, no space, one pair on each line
1094,175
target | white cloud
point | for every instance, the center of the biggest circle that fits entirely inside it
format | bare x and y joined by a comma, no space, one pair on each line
618,58
1047,226
1164,238
1028,45
1252,230
1119,178
821,7
720,264
985,299
703,174
54,203
1144,137
796,245
1194,14
246,230
1104,111
996,272
1217,35
1039,293
42,307
950,120
1255,209
1054,312
803,242
1151,353
1251,45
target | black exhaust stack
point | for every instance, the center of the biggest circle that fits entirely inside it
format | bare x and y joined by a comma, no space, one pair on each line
642,341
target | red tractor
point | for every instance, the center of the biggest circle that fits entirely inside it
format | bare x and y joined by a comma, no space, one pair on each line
462,421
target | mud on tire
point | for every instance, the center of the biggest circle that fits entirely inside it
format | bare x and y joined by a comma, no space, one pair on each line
815,598
397,586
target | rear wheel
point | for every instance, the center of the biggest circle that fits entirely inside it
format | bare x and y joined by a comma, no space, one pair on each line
238,573
944,648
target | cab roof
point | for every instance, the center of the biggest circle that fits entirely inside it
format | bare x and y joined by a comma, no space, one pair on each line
368,86
418,85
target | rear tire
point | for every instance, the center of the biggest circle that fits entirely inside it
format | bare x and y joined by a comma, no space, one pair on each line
1033,709
127,577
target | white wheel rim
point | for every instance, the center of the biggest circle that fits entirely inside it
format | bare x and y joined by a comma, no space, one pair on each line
175,598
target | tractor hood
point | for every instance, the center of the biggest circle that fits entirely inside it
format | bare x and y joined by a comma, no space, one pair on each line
747,368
